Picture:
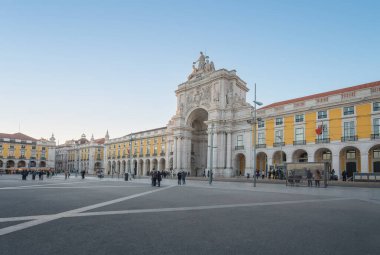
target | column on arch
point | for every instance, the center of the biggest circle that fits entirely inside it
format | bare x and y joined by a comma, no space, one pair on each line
175,153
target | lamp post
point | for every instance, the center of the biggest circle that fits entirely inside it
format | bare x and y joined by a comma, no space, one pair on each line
254,122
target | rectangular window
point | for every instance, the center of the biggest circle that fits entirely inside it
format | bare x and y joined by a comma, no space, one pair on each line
278,136
239,141
279,121
351,154
261,124
260,138
1,150
376,126
376,106
155,140
11,151
299,118
349,110
299,134
376,154
349,129
326,155
322,115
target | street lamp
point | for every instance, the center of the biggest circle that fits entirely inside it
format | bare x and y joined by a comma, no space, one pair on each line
211,153
254,122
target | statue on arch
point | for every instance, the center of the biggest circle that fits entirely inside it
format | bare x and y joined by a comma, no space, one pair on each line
201,62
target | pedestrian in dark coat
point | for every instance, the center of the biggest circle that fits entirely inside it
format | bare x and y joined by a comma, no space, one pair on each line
179,176
309,177
183,177
159,178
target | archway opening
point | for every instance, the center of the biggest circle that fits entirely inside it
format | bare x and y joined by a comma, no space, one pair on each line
21,163
240,164
350,160
300,156
374,159
197,157
161,165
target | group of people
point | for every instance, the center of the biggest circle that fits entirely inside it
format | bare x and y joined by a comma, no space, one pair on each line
156,178
34,173
317,178
181,175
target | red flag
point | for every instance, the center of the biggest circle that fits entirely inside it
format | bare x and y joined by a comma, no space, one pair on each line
319,130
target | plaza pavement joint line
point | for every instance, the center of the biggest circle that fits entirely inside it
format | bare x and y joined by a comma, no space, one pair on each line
21,226
173,209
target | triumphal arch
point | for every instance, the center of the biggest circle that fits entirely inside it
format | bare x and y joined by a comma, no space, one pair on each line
211,118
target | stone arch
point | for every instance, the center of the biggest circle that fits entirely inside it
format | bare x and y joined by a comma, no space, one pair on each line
374,159
21,163
349,158
42,164
300,156
262,161
196,152
240,163
141,167
32,163
97,166
279,158
113,168
134,167
147,167
161,164
10,164
124,167
118,167
155,164
324,155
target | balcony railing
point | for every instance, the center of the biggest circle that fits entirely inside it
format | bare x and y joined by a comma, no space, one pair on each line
239,147
262,145
147,155
11,156
299,142
135,155
349,138
375,136
279,144
154,154
43,158
162,154
322,140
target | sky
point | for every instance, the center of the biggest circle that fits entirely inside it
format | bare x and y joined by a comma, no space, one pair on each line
73,67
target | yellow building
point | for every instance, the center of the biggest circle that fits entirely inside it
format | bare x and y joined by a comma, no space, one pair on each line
21,151
81,155
341,127
137,153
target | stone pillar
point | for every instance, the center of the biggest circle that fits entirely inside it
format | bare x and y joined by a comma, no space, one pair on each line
336,165
364,162
229,150
215,154
179,153
175,154
208,149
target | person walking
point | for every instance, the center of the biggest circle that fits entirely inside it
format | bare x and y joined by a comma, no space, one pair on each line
83,173
262,174
317,178
309,177
344,175
179,176
183,177
159,178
